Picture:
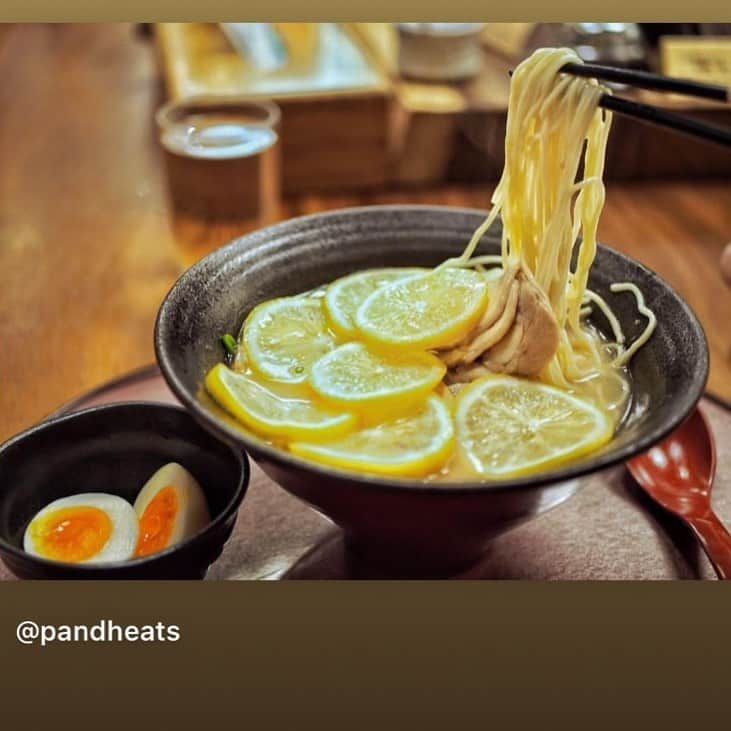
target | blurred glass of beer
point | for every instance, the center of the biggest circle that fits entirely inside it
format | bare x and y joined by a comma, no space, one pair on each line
222,164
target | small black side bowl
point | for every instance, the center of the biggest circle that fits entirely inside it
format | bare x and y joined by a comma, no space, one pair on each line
115,449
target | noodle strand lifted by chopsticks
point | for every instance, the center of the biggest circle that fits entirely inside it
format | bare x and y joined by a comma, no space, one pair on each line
550,204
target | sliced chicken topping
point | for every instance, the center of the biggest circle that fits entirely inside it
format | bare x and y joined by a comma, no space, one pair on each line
517,334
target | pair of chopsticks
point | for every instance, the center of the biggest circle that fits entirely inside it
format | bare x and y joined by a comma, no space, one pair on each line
657,82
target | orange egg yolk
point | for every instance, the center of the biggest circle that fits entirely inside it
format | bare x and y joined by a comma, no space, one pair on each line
157,521
72,534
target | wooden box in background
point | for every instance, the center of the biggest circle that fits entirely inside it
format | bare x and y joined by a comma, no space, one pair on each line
335,106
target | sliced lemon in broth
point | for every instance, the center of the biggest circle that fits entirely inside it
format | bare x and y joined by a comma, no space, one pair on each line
270,414
425,311
345,295
283,337
414,445
352,376
509,427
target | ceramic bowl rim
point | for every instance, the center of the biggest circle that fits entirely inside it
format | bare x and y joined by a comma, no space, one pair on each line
244,472
285,459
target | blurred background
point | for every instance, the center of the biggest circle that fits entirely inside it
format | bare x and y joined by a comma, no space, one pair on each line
129,151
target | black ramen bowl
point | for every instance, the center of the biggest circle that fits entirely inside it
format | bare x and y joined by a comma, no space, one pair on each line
115,449
426,527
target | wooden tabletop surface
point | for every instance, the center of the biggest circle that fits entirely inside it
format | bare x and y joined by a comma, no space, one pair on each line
88,247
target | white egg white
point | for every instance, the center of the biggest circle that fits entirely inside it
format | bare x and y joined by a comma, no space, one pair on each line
192,515
122,540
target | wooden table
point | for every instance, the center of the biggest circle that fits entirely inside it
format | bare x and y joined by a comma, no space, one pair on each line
88,247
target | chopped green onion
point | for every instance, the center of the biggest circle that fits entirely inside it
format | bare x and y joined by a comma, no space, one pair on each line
229,342
299,369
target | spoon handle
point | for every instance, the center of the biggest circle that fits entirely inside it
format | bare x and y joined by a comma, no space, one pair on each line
716,542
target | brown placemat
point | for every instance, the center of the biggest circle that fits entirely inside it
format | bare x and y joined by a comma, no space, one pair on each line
609,530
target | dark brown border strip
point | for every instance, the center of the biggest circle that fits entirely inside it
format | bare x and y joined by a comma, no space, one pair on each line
487,655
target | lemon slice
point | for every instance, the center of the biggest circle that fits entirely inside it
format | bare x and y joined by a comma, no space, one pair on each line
425,311
271,414
345,295
351,376
283,337
509,426
410,446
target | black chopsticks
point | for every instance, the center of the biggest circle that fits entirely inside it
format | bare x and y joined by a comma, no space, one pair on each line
647,80
663,118
650,113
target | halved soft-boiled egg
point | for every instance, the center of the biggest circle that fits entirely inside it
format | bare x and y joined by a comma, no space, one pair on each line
88,528
171,507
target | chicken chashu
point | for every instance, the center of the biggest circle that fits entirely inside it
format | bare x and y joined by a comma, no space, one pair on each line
518,333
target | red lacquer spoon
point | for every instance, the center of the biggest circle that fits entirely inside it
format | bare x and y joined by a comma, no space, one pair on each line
678,473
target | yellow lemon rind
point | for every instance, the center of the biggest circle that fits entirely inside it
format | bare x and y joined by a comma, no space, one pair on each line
215,384
420,464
